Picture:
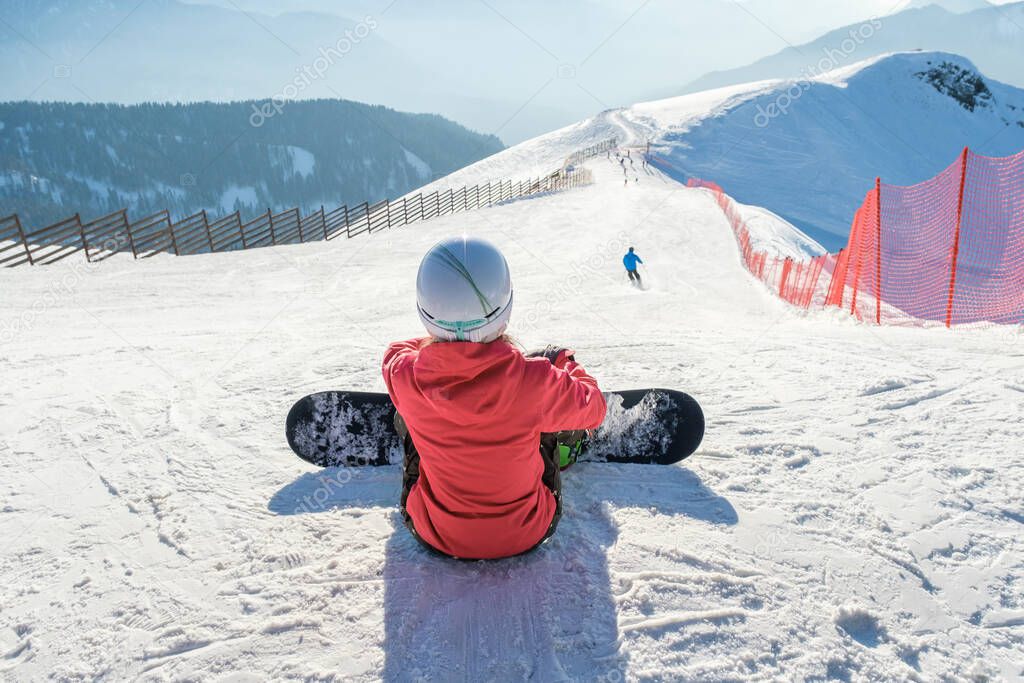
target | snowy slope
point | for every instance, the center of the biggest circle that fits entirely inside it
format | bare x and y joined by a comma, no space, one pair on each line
810,150
854,512
807,150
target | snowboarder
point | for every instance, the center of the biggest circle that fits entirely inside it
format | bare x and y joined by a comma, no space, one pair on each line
485,428
630,260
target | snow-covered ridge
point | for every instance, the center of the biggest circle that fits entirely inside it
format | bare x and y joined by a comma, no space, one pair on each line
806,149
987,34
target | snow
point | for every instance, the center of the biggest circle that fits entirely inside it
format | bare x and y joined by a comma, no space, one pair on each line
12,178
771,233
302,160
853,513
419,167
244,195
99,188
808,149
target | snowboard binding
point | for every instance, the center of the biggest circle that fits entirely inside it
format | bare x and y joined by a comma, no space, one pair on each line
571,445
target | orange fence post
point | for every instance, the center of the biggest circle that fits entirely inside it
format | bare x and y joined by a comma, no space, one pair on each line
787,267
837,285
956,238
856,251
878,252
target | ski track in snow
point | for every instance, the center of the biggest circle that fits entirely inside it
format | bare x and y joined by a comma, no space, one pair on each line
854,511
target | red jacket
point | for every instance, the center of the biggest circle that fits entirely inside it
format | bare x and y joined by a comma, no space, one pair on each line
475,413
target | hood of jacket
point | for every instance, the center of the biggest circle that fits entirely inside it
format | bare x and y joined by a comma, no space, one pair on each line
474,380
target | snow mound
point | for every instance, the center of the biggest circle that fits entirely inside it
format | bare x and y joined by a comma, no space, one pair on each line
860,624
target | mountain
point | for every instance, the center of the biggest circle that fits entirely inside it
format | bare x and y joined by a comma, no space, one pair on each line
513,68
808,150
167,51
957,6
57,159
992,37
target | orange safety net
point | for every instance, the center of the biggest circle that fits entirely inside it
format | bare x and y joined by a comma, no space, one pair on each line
798,282
949,250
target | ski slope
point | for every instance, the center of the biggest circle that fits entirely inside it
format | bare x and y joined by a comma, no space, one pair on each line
808,149
853,513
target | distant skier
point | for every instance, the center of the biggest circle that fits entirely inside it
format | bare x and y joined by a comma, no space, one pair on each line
630,260
480,422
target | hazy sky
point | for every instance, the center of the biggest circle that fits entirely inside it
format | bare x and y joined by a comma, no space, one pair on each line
514,68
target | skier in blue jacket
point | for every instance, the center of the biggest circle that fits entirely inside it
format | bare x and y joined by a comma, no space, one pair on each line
631,260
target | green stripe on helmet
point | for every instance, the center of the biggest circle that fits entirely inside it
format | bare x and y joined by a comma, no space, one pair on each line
454,263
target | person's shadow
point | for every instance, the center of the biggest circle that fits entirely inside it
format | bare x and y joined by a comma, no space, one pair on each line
549,615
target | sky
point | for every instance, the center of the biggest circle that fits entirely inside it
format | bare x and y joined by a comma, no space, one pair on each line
514,68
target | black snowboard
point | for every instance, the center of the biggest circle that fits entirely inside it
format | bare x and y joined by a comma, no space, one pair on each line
353,428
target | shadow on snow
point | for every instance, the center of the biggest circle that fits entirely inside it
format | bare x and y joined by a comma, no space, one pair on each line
546,616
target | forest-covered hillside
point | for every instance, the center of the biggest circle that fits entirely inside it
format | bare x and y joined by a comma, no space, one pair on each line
57,159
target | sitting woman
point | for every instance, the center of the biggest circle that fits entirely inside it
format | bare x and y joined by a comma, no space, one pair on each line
486,429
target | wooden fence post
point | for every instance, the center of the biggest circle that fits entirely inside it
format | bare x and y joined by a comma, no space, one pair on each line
956,238
206,226
323,222
126,227
85,242
241,229
170,229
270,218
24,242
131,237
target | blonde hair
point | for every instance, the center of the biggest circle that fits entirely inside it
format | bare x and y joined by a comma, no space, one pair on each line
507,338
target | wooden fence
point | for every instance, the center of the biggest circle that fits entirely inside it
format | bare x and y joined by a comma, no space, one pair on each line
115,233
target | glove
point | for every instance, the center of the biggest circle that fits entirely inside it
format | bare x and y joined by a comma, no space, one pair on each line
558,355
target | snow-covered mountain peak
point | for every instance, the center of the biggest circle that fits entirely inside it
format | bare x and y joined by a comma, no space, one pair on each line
777,144
954,6
963,84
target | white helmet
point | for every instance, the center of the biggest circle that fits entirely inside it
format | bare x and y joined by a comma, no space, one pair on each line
464,290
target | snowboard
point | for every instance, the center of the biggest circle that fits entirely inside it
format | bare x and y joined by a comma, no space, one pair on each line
354,428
